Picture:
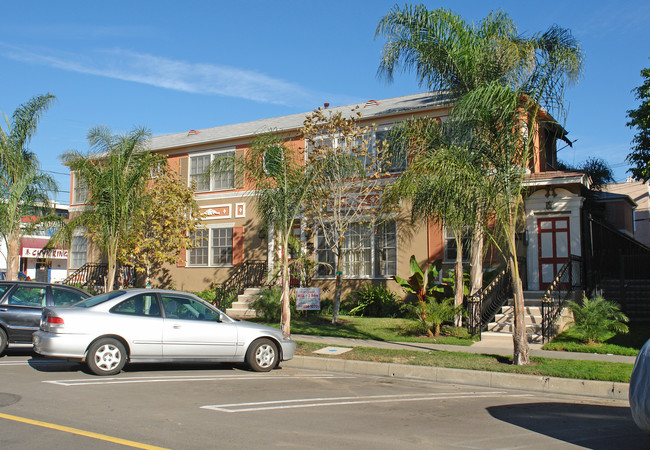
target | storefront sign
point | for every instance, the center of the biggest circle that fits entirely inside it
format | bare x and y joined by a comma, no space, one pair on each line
56,253
308,299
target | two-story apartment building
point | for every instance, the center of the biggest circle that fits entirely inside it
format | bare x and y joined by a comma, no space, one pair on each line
233,233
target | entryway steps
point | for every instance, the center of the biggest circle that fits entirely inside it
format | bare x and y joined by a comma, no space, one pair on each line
504,322
241,308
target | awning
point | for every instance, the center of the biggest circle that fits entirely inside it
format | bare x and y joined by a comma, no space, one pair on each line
33,248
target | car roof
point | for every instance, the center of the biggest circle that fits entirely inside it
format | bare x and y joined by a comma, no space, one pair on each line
41,283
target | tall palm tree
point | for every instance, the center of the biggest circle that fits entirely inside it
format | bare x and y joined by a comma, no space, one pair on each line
25,190
116,171
498,81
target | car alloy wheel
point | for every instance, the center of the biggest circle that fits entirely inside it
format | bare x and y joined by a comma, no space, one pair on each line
262,355
106,357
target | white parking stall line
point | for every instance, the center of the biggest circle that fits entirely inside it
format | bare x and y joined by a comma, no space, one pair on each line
183,378
34,363
338,401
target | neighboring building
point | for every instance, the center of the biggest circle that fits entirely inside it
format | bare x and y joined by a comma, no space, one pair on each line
638,225
233,233
35,262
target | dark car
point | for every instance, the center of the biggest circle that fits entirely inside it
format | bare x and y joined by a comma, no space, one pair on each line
21,304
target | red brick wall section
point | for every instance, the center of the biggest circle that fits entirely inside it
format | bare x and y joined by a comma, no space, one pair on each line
237,246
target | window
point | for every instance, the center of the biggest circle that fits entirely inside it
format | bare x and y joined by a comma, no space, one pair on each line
450,244
390,149
78,252
65,297
28,296
213,245
199,251
366,252
80,190
140,305
177,307
222,176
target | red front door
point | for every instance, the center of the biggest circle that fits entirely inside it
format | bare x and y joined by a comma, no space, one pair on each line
554,247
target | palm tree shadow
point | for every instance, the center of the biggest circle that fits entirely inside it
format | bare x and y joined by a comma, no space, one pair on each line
589,426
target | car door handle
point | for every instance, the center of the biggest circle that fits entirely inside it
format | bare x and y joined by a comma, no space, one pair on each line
176,327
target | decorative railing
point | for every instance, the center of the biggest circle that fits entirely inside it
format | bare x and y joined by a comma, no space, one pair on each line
92,277
250,274
486,303
567,280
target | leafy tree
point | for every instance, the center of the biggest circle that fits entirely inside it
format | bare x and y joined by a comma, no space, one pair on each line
640,119
499,81
594,319
281,182
346,181
23,187
117,170
163,225
597,169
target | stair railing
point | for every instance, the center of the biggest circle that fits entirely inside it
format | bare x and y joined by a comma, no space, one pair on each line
92,277
567,280
484,305
250,274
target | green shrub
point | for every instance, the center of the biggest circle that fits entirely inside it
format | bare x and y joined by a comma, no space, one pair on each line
594,319
433,314
375,301
268,304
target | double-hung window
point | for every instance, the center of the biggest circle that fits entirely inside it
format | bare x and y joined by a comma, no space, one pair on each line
78,252
450,245
367,251
211,247
80,190
221,177
389,148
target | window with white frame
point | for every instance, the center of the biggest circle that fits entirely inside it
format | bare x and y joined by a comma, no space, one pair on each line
211,247
80,190
390,150
367,251
78,252
222,176
450,245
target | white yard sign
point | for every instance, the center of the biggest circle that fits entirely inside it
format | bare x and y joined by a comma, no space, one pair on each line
308,299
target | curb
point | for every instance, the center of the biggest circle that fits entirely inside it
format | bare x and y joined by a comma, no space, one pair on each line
535,383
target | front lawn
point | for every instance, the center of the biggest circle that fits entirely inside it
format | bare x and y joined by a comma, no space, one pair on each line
617,344
551,367
380,329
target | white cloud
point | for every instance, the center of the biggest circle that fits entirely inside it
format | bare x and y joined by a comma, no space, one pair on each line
197,78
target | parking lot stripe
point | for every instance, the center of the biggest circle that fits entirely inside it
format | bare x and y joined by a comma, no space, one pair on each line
337,401
79,432
175,379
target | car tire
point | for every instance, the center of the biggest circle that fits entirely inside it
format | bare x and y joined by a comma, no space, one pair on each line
106,357
262,355
3,341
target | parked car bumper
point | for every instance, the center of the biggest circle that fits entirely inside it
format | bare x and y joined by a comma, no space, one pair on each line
288,349
71,346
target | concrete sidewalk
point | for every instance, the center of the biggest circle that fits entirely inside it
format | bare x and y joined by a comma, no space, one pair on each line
488,345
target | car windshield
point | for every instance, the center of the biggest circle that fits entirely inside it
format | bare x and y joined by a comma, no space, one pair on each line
96,300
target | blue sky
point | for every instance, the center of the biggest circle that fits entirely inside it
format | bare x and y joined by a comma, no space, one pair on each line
175,66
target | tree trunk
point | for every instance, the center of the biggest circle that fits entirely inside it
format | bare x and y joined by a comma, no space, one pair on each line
520,341
476,263
459,284
13,256
339,284
112,266
286,309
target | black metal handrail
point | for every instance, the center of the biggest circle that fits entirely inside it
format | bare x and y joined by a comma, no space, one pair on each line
553,300
250,274
92,277
486,303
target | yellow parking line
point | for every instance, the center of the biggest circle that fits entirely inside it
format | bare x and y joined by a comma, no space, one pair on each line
89,434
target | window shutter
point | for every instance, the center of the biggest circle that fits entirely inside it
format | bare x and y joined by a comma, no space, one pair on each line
181,261
184,169
237,246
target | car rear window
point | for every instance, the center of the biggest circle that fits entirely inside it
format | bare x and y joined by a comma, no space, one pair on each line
96,300
65,297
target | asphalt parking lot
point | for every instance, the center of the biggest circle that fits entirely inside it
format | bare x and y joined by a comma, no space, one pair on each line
46,403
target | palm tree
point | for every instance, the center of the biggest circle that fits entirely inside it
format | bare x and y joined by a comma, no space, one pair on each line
116,171
24,188
281,184
499,82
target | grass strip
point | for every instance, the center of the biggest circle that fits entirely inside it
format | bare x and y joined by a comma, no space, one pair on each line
551,367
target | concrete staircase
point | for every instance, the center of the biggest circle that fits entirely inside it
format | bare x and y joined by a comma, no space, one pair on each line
503,323
241,308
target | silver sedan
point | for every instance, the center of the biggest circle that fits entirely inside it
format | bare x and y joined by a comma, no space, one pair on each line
155,325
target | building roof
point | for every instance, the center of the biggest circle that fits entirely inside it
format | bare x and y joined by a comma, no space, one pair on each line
556,177
370,109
